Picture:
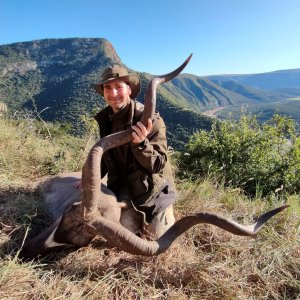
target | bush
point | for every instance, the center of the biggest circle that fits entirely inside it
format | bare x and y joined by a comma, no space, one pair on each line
257,157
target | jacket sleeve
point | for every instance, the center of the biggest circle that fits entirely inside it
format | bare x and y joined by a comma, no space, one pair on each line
152,153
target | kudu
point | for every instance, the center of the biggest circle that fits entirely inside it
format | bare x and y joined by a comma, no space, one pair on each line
96,211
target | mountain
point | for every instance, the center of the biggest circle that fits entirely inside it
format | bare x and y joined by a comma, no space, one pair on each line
54,77
204,93
272,92
283,79
255,95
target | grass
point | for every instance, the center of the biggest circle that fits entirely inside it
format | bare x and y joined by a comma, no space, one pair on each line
27,154
204,263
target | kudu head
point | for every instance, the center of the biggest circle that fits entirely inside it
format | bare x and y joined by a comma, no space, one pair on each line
84,220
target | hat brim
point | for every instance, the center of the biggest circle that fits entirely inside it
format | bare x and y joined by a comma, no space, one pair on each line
132,79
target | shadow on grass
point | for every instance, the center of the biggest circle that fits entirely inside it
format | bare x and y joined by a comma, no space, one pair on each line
23,215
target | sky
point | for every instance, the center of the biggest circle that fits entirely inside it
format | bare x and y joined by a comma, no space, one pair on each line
156,36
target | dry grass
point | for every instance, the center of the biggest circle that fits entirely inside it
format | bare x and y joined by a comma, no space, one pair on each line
26,155
204,263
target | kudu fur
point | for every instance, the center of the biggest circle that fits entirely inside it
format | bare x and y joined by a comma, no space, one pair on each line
82,216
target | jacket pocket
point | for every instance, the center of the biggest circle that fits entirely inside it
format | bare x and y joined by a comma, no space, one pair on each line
139,184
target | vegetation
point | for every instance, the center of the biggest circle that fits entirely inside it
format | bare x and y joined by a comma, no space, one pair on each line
31,148
205,263
264,112
258,158
55,75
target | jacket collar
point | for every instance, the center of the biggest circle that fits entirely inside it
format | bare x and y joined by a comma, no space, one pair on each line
104,116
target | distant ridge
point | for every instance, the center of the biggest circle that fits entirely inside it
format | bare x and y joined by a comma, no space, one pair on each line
268,81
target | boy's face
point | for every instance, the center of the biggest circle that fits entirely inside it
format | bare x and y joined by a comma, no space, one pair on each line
116,94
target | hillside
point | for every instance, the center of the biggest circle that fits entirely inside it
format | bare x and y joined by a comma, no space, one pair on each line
272,92
265,111
255,94
206,93
55,76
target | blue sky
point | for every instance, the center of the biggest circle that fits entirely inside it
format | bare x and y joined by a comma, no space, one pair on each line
225,36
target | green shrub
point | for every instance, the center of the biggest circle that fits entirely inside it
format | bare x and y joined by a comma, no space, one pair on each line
262,158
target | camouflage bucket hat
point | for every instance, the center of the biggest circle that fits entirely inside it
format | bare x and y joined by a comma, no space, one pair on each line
118,72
